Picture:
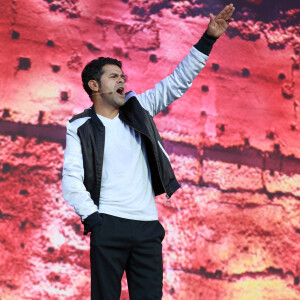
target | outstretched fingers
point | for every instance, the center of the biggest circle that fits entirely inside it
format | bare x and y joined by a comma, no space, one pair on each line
226,13
219,24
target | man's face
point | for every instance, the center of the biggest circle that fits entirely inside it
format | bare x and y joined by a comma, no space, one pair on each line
112,89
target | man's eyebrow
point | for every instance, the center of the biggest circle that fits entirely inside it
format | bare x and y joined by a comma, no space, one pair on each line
122,74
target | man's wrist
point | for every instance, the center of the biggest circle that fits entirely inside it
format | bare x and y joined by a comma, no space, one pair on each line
91,221
206,43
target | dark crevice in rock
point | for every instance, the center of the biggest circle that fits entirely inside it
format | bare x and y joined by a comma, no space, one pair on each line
67,7
55,68
22,155
50,43
262,191
49,132
15,35
24,63
220,275
24,192
64,96
285,11
91,47
6,168
239,155
23,224
250,156
5,216
6,113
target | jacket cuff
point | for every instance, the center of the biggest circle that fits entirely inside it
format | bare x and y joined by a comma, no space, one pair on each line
91,221
206,43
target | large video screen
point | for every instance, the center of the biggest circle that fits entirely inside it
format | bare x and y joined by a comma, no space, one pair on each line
233,229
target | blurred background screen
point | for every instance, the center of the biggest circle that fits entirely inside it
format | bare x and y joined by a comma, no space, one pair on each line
233,229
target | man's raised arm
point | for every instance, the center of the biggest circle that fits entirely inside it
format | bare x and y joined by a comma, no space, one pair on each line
175,85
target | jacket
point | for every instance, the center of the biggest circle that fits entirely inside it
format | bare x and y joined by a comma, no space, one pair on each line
82,166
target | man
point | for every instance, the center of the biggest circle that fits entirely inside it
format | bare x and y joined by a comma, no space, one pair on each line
115,164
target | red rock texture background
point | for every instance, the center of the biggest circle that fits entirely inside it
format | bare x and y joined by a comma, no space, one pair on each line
233,230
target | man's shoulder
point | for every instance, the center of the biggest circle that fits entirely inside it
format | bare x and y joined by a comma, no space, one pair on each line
132,100
80,119
85,114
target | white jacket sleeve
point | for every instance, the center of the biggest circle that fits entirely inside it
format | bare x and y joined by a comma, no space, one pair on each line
74,191
175,85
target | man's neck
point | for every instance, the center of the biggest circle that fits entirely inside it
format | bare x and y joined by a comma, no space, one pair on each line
105,111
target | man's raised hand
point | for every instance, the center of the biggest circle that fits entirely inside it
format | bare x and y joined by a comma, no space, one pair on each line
218,25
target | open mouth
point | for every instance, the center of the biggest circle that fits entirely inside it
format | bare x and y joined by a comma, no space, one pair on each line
120,91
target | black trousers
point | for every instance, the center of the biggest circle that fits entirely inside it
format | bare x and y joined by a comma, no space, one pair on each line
119,245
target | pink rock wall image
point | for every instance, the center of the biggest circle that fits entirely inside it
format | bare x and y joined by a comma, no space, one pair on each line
233,230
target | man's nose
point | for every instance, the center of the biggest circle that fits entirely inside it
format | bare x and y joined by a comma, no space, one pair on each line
121,79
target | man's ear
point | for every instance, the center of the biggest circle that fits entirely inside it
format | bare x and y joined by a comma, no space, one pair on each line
94,85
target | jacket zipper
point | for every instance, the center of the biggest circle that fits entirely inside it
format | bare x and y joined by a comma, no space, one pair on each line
156,159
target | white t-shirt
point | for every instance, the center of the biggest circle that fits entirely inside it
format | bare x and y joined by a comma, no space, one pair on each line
126,189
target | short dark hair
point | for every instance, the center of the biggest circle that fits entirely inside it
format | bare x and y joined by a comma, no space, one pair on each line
94,70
